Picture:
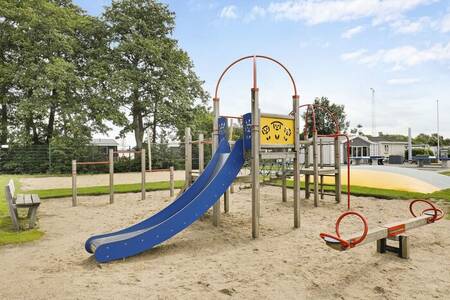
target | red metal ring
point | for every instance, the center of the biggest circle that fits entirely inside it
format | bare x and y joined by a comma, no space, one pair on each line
363,219
440,214
433,208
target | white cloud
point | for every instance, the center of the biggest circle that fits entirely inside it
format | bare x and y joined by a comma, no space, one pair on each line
353,55
322,11
352,32
402,57
445,23
407,26
228,12
403,81
256,12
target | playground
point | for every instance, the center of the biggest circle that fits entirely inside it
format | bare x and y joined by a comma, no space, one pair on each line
216,262
235,229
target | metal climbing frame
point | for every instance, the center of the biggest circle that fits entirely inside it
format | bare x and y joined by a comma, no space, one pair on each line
257,145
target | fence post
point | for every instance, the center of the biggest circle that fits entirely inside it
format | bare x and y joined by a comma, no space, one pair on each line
201,154
149,150
188,156
111,176
74,183
143,174
172,184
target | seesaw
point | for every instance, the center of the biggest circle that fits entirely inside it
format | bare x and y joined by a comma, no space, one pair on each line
393,231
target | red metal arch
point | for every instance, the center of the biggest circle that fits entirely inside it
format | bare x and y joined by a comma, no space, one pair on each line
254,57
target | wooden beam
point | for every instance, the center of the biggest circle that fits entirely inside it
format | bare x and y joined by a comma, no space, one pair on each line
74,183
316,170
111,176
172,183
255,161
143,174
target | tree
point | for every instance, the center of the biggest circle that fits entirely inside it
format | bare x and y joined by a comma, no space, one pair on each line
153,78
324,122
357,130
57,53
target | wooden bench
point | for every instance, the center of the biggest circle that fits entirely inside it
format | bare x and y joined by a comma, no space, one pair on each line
30,201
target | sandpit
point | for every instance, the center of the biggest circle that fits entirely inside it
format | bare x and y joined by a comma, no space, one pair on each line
205,262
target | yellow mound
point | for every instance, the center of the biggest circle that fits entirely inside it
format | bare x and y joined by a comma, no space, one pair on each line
385,180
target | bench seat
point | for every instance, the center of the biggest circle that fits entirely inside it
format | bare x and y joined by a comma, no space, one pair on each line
30,201
26,200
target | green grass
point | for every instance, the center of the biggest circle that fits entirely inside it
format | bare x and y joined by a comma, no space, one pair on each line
104,190
383,193
7,234
447,173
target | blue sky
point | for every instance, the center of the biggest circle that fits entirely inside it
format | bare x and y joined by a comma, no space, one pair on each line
339,49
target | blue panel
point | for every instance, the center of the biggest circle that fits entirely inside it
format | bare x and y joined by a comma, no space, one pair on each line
178,203
247,131
154,235
222,125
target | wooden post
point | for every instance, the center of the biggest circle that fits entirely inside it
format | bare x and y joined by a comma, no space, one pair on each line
307,177
172,183
337,166
255,162
316,170
226,196
149,146
111,176
321,166
295,104
320,153
215,145
201,154
74,183
188,156
283,180
143,174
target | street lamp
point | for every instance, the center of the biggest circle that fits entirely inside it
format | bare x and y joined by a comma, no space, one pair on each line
373,112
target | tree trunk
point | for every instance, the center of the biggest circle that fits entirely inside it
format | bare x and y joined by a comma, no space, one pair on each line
138,124
4,125
154,125
35,132
51,123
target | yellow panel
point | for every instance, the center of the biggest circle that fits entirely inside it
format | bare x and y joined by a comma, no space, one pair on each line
277,131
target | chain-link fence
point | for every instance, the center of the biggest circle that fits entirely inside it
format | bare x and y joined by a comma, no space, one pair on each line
45,159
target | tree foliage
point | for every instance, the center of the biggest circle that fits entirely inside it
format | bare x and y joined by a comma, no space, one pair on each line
153,78
53,55
65,75
325,123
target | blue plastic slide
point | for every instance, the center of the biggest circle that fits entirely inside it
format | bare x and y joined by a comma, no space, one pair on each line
187,208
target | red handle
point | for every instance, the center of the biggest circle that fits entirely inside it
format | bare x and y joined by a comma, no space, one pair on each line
344,243
438,213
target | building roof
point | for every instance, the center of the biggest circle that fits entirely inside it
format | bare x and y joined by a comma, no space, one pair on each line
104,142
386,140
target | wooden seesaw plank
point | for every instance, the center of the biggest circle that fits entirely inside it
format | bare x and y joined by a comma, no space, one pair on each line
386,231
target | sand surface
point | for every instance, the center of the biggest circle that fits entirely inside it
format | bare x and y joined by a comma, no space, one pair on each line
206,262
42,183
